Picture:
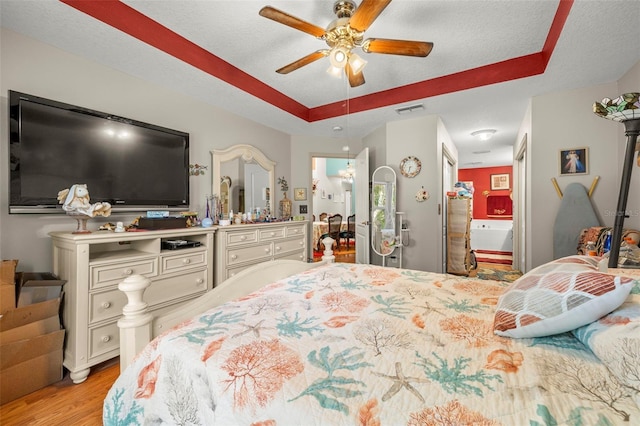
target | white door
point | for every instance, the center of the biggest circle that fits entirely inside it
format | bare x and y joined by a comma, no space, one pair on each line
447,185
362,206
520,213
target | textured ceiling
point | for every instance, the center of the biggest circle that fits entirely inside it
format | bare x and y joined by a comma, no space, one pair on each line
489,58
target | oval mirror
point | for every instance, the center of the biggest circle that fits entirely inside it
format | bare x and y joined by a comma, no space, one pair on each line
253,176
383,210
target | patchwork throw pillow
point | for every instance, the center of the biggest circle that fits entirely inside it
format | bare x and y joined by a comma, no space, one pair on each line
615,340
539,305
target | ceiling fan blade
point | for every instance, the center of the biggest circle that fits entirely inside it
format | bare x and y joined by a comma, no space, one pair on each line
291,21
355,80
397,47
366,13
306,60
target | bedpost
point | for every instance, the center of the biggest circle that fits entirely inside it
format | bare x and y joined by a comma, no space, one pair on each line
327,255
135,323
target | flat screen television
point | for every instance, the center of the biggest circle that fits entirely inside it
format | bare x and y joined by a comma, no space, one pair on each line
135,166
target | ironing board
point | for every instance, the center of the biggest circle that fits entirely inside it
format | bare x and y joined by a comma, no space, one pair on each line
575,214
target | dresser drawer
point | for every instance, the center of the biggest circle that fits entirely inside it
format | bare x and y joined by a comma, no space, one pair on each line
294,230
106,304
242,237
104,339
168,289
271,233
285,246
299,255
249,254
183,261
113,273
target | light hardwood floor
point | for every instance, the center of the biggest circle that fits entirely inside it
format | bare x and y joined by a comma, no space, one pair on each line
64,403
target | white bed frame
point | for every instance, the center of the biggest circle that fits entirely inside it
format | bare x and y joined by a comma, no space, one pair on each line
138,326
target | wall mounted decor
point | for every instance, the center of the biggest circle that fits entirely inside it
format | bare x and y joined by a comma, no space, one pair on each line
500,181
300,194
574,161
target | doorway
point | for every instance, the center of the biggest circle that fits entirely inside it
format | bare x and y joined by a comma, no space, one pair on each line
333,193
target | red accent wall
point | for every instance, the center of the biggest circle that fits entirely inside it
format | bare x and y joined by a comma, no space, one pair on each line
481,178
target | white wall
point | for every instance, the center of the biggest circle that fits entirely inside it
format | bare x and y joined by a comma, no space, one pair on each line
39,69
630,82
566,120
417,137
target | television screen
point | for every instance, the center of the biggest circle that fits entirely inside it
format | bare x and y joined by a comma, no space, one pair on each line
133,165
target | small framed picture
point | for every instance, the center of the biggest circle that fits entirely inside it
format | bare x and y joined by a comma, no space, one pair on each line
574,161
323,194
329,196
300,194
500,181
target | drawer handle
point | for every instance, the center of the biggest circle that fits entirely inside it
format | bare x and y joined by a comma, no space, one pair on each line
273,234
127,271
186,261
105,339
267,250
106,305
301,243
243,237
278,248
234,256
199,281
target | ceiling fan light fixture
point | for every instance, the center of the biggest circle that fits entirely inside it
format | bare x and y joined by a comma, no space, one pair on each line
483,135
357,63
334,71
339,56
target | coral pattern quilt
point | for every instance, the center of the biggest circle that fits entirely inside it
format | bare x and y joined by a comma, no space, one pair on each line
346,344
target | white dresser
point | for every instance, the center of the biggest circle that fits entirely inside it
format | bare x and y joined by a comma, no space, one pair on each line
240,246
93,265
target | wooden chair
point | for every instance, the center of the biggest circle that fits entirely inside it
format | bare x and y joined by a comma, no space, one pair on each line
350,233
323,216
335,222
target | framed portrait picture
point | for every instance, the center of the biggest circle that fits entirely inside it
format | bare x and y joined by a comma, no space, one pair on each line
300,194
574,161
500,181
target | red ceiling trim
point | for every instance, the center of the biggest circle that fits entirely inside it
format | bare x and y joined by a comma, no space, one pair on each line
130,21
511,69
562,13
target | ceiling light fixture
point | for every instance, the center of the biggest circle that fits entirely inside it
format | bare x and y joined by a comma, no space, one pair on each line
339,56
409,109
483,135
357,63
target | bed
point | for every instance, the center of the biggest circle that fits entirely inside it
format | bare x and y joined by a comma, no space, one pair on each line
288,343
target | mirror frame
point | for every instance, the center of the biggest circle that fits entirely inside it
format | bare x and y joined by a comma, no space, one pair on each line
249,154
394,183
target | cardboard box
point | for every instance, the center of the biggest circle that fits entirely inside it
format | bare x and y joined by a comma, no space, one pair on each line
7,285
35,287
30,313
31,350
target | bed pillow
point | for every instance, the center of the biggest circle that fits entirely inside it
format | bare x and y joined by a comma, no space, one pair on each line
615,340
537,305
569,263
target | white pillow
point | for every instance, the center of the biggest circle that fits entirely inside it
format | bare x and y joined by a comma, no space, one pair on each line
537,305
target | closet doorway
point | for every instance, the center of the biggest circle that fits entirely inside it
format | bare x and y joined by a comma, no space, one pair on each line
333,194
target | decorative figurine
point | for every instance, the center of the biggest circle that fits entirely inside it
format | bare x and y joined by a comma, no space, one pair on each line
75,202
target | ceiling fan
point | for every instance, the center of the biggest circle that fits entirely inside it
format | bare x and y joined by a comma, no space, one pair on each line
343,35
